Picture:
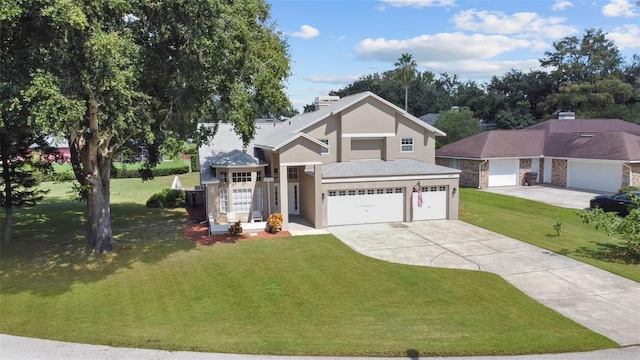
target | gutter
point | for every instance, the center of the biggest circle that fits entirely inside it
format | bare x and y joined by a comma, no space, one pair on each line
480,173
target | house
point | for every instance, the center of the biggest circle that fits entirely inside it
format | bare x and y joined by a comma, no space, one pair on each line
354,160
591,154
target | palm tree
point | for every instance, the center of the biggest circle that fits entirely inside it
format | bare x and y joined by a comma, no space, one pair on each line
406,71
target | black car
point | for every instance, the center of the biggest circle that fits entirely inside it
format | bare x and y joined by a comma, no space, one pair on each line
620,202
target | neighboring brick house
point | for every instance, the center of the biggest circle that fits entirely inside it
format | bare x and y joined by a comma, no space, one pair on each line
592,154
354,160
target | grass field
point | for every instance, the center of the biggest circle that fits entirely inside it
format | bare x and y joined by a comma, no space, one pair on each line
309,295
532,222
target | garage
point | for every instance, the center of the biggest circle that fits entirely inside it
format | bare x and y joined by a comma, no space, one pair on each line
434,204
504,172
597,176
365,206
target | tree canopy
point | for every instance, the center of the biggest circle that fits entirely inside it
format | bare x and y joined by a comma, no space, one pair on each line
109,74
585,74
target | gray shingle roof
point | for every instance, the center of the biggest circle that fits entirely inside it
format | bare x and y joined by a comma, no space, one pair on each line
367,168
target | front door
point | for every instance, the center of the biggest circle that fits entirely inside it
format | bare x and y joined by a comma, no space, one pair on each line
293,196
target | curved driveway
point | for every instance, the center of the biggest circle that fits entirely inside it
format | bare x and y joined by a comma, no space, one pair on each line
603,302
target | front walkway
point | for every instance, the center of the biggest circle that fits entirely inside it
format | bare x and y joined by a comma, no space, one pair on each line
603,302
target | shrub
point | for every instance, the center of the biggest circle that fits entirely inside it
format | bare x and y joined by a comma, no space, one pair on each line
274,223
167,198
235,229
557,227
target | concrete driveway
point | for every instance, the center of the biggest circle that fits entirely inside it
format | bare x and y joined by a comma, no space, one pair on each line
569,198
605,303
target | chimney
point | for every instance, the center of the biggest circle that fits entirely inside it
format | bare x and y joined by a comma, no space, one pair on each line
322,101
566,115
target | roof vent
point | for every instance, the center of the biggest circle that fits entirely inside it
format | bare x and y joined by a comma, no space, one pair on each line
566,115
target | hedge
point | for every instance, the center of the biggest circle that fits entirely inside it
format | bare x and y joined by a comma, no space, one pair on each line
118,173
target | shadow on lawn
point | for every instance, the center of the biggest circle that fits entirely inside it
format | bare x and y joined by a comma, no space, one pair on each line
607,252
49,252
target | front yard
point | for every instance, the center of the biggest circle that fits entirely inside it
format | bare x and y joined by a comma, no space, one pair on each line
308,295
532,222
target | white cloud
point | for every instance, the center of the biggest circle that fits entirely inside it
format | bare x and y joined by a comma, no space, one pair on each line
442,47
481,71
619,8
561,5
626,37
306,32
524,24
417,3
332,79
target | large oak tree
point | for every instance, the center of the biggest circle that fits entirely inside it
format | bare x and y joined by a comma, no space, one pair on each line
115,72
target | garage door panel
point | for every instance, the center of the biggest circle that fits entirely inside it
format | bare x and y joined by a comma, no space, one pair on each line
594,176
365,208
503,172
434,204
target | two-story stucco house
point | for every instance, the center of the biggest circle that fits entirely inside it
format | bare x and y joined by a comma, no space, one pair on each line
354,160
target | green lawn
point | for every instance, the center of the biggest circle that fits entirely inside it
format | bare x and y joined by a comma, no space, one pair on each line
162,165
532,222
307,295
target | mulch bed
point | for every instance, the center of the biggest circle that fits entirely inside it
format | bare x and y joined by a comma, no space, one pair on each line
199,233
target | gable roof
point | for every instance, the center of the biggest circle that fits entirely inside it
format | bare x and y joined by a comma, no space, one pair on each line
603,139
299,123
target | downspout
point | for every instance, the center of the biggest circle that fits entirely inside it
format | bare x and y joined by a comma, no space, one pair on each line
480,173
630,173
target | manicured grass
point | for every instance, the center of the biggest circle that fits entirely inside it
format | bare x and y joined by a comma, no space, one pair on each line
532,222
301,295
162,165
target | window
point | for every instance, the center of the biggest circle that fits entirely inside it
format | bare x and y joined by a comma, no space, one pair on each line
292,173
324,151
259,175
276,173
224,200
241,177
275,192
223,176
259,199
454,163
242,200
407,145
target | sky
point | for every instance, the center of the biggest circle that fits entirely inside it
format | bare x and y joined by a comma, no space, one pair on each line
332,43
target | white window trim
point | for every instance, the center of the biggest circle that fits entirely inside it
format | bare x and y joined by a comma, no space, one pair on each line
224,200
325,151
402,145
241,200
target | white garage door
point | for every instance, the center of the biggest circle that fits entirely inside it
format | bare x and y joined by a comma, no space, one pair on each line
365,206
594,176
504,172
434,203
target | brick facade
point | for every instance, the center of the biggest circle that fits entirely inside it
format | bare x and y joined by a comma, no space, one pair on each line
559,172
525,167
635,175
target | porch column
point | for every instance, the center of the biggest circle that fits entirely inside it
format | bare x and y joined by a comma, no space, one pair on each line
320,198
284,197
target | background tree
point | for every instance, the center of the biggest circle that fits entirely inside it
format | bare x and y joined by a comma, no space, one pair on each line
458,124
120,71
406,72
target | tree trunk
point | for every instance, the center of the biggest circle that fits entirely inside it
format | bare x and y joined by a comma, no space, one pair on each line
100,235
96,165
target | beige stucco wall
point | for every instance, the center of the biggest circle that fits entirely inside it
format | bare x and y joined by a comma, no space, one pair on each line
369,116
559,172
367,148
424,144
301,150
212,194
327,129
